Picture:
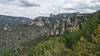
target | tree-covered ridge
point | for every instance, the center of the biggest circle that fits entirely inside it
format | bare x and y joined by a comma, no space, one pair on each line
83,42
78,39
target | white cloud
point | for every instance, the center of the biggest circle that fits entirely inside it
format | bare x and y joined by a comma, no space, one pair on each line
34,8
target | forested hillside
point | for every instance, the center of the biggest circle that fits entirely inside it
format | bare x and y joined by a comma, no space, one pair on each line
83,40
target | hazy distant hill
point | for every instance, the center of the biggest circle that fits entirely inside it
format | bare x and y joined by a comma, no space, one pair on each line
13,21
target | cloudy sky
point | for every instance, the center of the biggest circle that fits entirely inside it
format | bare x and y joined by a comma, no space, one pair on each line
34,8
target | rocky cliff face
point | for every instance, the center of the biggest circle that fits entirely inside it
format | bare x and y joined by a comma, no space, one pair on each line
16,38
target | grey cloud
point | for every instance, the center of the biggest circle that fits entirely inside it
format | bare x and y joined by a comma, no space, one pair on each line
26,4
68,8
6,1
22,3
44,7
95,1
91,5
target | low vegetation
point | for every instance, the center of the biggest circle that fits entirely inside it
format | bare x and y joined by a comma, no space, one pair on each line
84,41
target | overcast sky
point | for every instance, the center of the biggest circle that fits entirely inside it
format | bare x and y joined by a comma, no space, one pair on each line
34,8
